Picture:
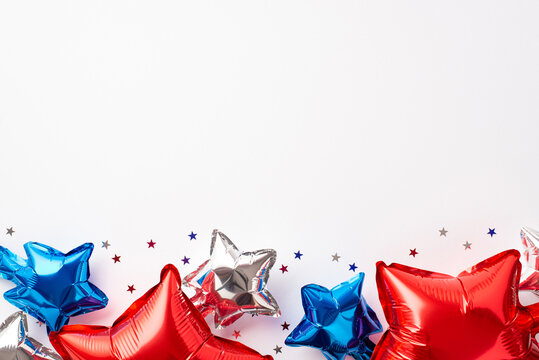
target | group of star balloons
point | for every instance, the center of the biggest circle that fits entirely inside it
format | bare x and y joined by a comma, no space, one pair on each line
476,315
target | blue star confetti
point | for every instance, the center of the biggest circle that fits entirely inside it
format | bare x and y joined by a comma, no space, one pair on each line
298,255
50,285
192,236
336,321
353,267
491,232
185,260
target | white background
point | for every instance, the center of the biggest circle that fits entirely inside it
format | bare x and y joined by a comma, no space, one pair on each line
321,126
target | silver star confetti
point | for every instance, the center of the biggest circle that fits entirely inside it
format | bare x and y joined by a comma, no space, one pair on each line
443,232
233,282
15,344
529,280
335,257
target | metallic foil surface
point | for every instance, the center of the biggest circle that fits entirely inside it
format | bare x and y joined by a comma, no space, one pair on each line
336,321
16,344
161,325
51,286
529,280
474,316
233,282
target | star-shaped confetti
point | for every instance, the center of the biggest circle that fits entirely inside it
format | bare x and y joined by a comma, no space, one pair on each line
151,244
192,236
185,260
413,252
131,288
162,324
443,232
116,258
285,325
491,232
337,321
467,245
16,344
298,255
10,231
278,349
236,334
51,286
353,267
335,257
233,282
283,269
105,244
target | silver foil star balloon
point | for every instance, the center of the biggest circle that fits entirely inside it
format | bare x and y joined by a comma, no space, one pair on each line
232,282
529,279
15,344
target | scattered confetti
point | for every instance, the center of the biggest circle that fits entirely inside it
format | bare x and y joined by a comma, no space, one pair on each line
10,231
284,269
236,334
131,288
185,260
116,258
285,325
298,255
151,244
353,267
278,349
413,252
443,232
335,257
192,236
106,244
467,245
491,232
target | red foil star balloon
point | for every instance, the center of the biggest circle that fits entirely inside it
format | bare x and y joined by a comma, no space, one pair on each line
474,316
162,325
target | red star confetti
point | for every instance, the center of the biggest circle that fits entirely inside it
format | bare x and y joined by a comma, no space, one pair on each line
151,244
116,258
284,269
413,252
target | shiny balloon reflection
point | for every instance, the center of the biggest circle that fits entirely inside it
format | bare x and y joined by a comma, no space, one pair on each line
474,316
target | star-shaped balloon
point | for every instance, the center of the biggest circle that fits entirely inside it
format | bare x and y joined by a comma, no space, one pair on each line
233,282
16,344
529,280
336,321
476,315
162,324
51,286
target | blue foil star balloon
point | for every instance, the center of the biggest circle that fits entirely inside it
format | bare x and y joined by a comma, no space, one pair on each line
336,321
51,286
